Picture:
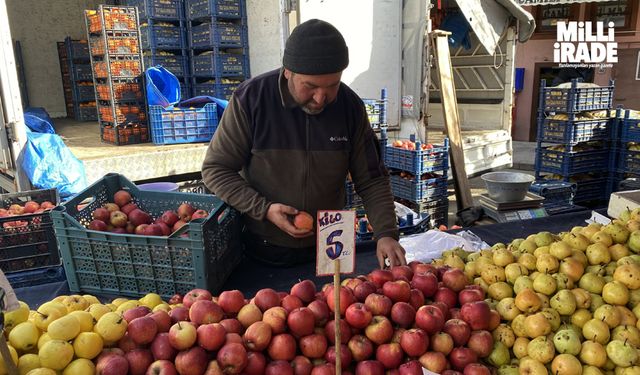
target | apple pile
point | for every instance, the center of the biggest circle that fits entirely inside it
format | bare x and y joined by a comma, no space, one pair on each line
569,303
396,321
124,216
406,144
16,209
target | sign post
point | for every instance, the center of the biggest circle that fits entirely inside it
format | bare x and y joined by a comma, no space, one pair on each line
336,254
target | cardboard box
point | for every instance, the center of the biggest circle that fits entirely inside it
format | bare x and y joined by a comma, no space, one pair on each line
623,200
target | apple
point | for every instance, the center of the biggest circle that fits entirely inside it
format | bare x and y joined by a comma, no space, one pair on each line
162,319
205,312
460,357
126,343
112,364
161,347
323,369
434,362
346,299
443,307
199,214
379,277
122,197
314,345
136,312
194,361
142,330
481,342
127,208
441,342
403,314
459,331
305,290
402,271
232,358
414,342
358,315
301,365
170,218
249,314
362,290
469,294
266,299
282,347
179,314
162,367
111,207
430,319
417,299
195,295
379,331
345,331
291,303
211,336
477,314
301,321
361,347
446,295
185,210
454,313
231,301
372,367
139,361
410,368
139,217
276,318
345,356
109,351
320,311
182,335
257,336
378,304
477,369
98,225
101,214
256,363
232,325
390,355
454,279
420,267
397,291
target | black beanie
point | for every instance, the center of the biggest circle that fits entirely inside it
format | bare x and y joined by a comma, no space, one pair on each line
315,47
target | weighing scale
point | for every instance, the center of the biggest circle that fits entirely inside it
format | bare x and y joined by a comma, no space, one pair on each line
528,208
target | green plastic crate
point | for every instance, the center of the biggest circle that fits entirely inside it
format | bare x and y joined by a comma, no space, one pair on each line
201,254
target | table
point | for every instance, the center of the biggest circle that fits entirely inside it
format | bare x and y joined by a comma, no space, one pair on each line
251,276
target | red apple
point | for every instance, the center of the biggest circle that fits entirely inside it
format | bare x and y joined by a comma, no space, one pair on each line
179,314
402,271
112,364
454,313
231,301
98,225
410,368
494,320
282,347
232,358
142,330
477,314
266,299
417,299
291,303
378,304
127,208
345,331
361,347
397,291
139,361
101,214
305,290
211,336
161,347
390,355
370,368
126,343
169,218
320,311
182,335
185,211
314,345
476,369
256,363
454,279
323,369
346,299
109,351
233,337
162,367
345,356
193,361
481,342
301,365
179,224
276,318
430,319
199,214
434,362
403,314
358,315
380,330
459,331
461,357
446,295
257,336
205,312
279,368
136,312
441,342
121,197
443,307
195,295
414,342
138,217
469,294
301,321
379,277
363,290
162,319
164,228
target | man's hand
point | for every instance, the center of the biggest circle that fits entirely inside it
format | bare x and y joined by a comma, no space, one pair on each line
279,214
389,248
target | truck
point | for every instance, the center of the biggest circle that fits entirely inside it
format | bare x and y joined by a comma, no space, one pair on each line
389,49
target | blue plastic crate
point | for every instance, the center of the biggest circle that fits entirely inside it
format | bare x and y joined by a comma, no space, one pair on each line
418,162
82,72
629,127
353,199
218,8
418,190
437,209
37,277
558,208
575,99
628,161
218,34
77,49
84,93
377,112
571,162
201,254
162,35
218,90
176,64
554,191
86,113
588,188
219,64
158,9
571,132
183,125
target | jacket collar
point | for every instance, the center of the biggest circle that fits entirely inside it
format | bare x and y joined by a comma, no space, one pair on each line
285,96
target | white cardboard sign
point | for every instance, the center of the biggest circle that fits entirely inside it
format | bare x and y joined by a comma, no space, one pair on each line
336,240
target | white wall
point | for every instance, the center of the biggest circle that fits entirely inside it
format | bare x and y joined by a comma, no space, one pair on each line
263,17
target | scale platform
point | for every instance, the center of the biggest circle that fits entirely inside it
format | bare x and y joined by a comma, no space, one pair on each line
528,208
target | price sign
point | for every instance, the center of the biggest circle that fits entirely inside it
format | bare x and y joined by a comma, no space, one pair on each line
336,241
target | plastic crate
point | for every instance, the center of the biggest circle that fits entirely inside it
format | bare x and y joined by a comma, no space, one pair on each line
418,161
76,49
554,191
82,72
629,127
116,19
124,90
176,64
124,113
86,113
127,67
572,132
412,190
158,9
560,208
377,112
575,99
162,36
27,242
353,199
219,64
437,209
85,93
218,90
571,162
218,8
182,125
628,161
201,254
218,34
125,134
47,275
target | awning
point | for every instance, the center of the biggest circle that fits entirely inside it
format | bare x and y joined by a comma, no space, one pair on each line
489,19
554,2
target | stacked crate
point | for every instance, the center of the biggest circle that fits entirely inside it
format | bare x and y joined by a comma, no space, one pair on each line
558,195
625,155
419,178
574,129
77,80
377,110
218,46
163,37
116,60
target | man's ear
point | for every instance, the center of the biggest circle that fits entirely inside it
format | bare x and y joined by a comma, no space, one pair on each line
287,73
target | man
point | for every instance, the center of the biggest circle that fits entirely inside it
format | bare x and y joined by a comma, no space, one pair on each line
286,142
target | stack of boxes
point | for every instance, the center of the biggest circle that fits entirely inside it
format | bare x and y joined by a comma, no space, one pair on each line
116,60
218,46
163,38
77,80
574,129
625,156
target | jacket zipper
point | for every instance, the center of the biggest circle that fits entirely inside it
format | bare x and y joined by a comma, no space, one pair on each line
306,164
